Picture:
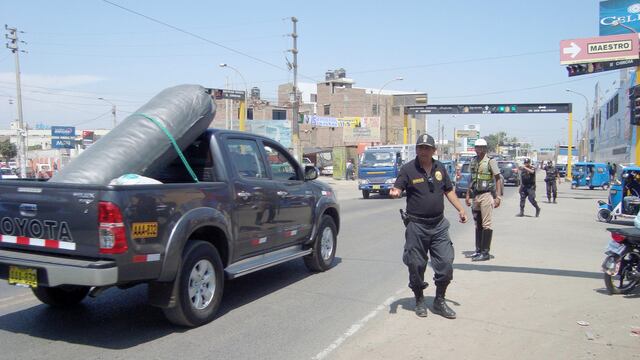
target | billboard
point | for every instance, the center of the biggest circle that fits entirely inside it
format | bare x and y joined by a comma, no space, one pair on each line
625,12
277,130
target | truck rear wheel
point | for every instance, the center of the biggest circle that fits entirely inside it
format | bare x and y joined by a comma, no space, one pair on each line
61,296
200,286
324,246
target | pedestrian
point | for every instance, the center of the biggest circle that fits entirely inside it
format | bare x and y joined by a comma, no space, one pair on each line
349,175
427,183
612,172
486,191
528,187
550,179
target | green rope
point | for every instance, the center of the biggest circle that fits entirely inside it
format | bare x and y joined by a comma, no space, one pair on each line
175,145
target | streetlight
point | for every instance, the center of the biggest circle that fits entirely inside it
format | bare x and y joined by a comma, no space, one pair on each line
246,93
386,130
586,117
113,109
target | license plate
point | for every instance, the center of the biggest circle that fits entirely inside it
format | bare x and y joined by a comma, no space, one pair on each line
615,248
23,276
376,187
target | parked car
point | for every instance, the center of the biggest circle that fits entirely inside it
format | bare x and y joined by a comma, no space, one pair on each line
327,170
510,172
7,174
562,170
463,179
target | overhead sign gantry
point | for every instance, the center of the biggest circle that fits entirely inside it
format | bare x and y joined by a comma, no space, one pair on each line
491,109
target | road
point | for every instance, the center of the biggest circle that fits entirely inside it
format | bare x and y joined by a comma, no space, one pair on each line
545,276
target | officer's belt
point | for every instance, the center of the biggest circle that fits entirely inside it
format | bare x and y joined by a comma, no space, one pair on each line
425,221
482,192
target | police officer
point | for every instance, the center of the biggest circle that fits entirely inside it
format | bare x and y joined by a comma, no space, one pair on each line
528,187
486,191
427,182
551,178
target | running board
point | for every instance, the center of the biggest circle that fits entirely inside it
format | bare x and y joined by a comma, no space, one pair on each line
264,261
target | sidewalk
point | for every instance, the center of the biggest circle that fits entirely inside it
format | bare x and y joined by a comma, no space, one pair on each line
523,304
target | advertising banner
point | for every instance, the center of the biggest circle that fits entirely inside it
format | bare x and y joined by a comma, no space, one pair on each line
63,131
277,130
625,12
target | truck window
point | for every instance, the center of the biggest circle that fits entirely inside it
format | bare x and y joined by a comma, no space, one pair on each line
246,158
199,157
378,159
281,166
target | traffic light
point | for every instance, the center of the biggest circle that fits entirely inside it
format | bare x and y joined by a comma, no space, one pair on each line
584,69
634,105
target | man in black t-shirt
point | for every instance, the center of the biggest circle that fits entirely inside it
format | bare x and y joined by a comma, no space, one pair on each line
427,182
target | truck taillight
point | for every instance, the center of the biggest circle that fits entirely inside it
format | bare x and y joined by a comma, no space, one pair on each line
111,229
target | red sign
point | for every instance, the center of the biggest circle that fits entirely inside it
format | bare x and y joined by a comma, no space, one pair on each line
602,48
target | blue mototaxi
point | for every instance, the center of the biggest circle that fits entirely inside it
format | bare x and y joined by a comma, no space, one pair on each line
450,165
624,195
590,175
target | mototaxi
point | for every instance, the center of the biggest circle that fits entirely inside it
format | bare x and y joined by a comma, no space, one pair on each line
624,195
590,174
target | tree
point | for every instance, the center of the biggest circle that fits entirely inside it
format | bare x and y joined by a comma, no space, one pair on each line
8,150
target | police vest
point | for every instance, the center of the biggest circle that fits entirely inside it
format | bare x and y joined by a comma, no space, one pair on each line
481,176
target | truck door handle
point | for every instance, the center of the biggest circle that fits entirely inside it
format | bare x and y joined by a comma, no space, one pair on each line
244,195
282,193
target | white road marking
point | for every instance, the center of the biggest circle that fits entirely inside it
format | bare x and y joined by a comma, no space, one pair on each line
357,326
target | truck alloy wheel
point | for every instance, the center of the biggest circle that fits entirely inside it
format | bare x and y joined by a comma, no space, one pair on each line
200,285
324,246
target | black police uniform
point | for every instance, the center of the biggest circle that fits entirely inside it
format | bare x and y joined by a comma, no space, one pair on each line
427,229
550,179
528,190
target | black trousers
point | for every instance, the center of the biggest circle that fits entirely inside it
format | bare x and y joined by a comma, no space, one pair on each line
422,240
528,192
552,189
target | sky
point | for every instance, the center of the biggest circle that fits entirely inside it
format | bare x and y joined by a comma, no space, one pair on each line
458,52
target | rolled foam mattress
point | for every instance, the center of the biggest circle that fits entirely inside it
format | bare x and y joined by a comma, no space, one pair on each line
137,145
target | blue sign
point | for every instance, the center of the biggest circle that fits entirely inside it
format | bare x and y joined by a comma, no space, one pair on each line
625,12
63,131
58,143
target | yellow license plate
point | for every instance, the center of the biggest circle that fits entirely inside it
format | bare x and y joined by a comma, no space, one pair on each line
376,187
23,276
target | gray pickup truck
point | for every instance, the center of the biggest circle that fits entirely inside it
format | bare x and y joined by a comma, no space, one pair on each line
253,207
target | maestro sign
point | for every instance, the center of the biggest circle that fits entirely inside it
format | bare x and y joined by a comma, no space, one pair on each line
625,12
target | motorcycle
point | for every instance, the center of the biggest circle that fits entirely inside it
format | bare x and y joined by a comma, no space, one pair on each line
622,265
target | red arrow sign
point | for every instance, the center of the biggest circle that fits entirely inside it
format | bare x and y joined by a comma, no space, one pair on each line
602,48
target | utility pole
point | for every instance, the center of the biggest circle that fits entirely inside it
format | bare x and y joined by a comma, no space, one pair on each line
12,44
295,136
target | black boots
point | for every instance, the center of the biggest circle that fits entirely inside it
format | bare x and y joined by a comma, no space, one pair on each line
554,200
440,306
521,213
487,234
478,243
538,211
421,307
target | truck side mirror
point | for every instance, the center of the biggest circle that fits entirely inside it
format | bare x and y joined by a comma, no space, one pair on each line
310,172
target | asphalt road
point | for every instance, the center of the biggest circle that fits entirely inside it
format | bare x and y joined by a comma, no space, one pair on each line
281,313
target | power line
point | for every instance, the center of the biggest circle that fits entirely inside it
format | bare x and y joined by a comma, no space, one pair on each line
453,62
202,38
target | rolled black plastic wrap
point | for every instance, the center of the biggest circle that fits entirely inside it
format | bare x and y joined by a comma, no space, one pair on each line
137,145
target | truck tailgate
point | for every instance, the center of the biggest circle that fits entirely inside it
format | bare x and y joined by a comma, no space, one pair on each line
49,217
